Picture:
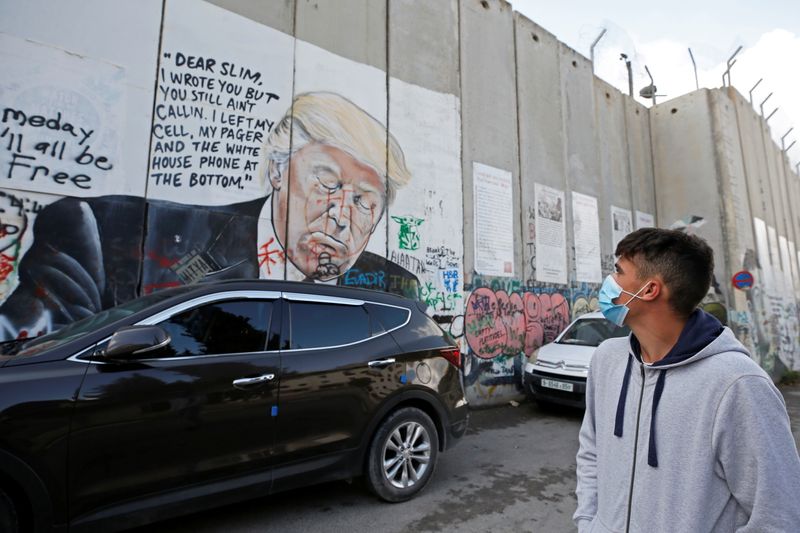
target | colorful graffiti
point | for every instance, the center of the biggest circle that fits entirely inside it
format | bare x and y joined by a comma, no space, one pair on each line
408,235
497,323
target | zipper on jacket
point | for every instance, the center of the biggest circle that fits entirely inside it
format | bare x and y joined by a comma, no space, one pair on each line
635,450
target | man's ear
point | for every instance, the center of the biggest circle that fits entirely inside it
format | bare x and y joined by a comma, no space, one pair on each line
653,289
274,174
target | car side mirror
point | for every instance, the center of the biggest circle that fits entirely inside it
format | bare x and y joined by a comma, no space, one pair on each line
134,341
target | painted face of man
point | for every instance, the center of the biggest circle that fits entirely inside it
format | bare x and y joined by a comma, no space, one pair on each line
334,204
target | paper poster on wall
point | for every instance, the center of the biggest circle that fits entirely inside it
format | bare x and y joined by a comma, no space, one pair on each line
224,82
427,212
63,115
494,221
551,234
621,225
586,230
644,220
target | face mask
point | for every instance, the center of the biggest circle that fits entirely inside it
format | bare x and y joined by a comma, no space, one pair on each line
610,290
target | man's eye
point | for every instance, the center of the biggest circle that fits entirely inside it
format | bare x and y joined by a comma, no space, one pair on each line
363,202
328,183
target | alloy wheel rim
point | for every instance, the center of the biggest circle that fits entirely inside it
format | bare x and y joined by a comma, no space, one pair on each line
406,455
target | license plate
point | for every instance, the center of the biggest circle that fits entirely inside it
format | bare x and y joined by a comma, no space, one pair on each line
558,385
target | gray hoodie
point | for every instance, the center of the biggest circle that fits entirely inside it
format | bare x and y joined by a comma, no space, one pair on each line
698,442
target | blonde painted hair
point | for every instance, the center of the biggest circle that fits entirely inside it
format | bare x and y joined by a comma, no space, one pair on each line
333,120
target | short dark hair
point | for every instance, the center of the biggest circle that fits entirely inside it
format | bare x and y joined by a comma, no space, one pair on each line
684,262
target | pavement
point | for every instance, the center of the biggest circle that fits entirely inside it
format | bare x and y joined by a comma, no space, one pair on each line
514,471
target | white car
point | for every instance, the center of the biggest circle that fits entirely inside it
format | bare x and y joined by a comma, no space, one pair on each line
556,373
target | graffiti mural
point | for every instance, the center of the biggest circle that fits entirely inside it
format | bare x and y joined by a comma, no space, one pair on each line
266,161
498,323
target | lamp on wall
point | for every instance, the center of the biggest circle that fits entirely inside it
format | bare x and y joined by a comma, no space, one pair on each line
650,90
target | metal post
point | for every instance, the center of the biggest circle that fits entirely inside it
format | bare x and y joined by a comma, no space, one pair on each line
730,64
624,57
785,135
652,83
764,102
753,89
773,112
694,65
591,48
789,147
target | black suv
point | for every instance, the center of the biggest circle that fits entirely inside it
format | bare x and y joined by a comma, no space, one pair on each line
203,395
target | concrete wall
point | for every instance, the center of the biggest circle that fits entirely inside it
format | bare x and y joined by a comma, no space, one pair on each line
495,173
714,158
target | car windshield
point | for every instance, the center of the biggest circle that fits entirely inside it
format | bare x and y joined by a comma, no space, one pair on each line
86,325
592,331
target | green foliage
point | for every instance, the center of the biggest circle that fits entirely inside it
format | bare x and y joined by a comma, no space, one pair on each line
791,377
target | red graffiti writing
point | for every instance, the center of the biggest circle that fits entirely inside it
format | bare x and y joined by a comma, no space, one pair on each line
270,255
163,262
497,323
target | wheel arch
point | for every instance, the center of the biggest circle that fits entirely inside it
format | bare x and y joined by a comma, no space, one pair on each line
420,399
24,487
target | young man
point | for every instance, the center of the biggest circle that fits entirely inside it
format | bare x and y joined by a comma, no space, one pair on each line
683,432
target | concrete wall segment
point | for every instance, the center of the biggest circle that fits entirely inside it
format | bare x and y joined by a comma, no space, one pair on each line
122,35
278,14
542,145
577,101
685,164
423,43
488,105
355,29
613,160
637,126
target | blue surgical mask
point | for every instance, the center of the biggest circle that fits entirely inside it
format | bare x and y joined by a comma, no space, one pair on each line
610,290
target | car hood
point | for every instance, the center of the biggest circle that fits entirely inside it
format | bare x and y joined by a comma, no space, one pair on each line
571,354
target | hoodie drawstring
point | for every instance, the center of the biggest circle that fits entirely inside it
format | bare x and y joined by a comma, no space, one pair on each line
652,456
623,393
652,453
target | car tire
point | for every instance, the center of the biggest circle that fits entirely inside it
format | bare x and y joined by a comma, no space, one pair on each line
402,456
8,514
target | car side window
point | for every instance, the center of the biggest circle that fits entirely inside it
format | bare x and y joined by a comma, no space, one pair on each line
316,325
389,317
232,326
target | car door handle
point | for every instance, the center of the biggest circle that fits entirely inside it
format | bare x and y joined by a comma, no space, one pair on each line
244,383
380,363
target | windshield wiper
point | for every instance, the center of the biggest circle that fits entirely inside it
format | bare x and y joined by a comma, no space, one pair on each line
12,346
576,342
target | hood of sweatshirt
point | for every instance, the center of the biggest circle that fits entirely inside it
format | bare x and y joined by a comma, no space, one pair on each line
698,333
702,336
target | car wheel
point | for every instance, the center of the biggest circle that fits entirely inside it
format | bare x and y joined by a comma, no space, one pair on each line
8,515
402,456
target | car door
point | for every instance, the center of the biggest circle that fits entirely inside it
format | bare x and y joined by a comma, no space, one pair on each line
200,409
340,365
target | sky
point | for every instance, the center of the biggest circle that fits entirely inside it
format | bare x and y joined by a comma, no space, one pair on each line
659,34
